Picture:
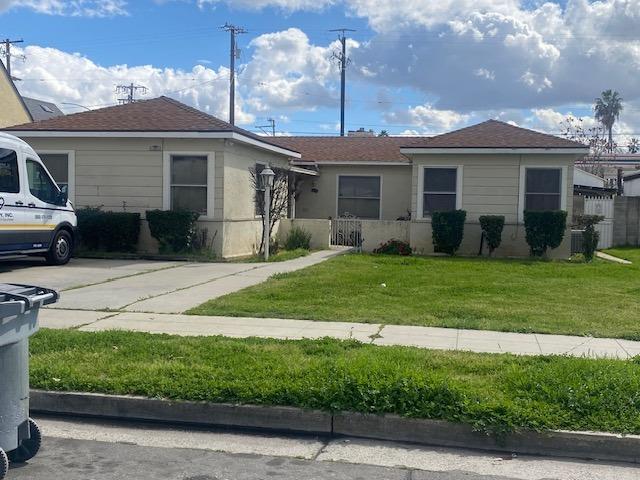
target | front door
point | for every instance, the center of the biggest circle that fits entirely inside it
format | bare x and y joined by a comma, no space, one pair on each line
43,211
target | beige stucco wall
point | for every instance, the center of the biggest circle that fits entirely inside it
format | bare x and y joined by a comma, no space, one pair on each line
320,230
110,171
490,186
376,232
395,192
12,110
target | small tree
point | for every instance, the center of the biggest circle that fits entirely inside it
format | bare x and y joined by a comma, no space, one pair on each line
492,226
448,230
279,197
544,230
594,137
590,235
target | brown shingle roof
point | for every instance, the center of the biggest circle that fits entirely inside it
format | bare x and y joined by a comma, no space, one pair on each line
347,149
162,114
494,134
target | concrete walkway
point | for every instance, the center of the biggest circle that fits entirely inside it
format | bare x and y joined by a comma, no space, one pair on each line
177,287
377,334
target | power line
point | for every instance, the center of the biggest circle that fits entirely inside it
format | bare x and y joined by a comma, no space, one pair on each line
7,54
234,53
272,126
343,61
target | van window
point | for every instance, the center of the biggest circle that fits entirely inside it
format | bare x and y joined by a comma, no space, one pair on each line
58,166
40,185
9,178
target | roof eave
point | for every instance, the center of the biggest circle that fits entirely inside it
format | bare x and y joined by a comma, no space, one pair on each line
154,134
490,150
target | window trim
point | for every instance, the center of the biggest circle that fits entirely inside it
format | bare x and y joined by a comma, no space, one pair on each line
166,179
420,200
523,185
377,175
71,169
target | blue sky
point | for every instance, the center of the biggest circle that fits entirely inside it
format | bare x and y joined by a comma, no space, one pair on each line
418,66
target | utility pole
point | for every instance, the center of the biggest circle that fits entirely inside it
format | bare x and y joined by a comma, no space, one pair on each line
343,61
130,92
234,53
272,125
7,53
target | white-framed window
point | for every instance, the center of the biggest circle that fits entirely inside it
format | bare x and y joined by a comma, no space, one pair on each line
542,188
62,166
188,179
359,195
439,189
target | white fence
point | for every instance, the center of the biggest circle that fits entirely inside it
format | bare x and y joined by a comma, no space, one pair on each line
602,206
347,232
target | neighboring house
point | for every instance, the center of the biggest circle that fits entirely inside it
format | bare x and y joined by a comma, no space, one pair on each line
586,183
13,109
631,185
160,154
610,165
41,110
492,168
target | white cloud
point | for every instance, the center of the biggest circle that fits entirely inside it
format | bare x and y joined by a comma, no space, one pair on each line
286,5
287,71
74,8
427,118
58,76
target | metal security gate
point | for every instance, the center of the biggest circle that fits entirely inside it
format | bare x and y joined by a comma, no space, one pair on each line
602,206
346,232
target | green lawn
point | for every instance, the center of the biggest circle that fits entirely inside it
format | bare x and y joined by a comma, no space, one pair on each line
493,392
281,256
599,299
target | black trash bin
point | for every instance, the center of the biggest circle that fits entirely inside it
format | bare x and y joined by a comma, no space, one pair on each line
19,435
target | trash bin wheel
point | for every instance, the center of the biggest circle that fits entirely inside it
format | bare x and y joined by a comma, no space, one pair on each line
4,464
28,448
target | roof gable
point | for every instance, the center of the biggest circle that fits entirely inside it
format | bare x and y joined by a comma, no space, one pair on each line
496,135
14,108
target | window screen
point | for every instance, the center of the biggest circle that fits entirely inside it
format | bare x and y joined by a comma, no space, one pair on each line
439,190
359,196
9,178
189,183
543,189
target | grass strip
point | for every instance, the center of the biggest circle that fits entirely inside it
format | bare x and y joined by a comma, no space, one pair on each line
495,393
560,297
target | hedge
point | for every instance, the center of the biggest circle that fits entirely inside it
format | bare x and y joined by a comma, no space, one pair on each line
492,226
544,230
175,230
448,230
110,231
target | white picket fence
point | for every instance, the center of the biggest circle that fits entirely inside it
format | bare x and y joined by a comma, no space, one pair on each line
602,206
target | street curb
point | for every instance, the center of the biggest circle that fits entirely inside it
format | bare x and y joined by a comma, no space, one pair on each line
583,445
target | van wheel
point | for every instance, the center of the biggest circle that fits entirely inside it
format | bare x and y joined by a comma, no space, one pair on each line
61,248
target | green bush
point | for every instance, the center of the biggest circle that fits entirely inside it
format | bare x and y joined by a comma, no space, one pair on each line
298,238
110,231
394,247
175,230
492,226
448,230
590,236
544,230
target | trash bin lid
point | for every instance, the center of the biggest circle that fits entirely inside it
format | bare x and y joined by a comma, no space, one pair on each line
19,305
31,295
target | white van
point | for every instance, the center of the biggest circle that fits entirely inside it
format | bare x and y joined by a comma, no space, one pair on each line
36,216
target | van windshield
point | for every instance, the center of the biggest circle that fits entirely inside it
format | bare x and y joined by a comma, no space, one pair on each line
40,184
9,179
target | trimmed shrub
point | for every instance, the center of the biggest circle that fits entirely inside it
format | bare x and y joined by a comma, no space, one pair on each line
448,230
110,231
298,238
394,247
175,230
590,235
544,230
492,226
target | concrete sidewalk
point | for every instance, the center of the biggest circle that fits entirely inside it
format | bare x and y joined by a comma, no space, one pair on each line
377,334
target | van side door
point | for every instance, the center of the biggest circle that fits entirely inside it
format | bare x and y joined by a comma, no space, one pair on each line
43,209
13,236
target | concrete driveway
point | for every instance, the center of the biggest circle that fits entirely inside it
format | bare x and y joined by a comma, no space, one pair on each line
145,286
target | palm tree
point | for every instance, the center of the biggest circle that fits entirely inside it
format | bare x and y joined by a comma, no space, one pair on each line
607,111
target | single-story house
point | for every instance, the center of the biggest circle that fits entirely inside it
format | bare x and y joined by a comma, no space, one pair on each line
588,184
163,154
492,168
160,154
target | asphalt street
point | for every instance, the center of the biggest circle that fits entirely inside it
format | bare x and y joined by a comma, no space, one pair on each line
79,449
